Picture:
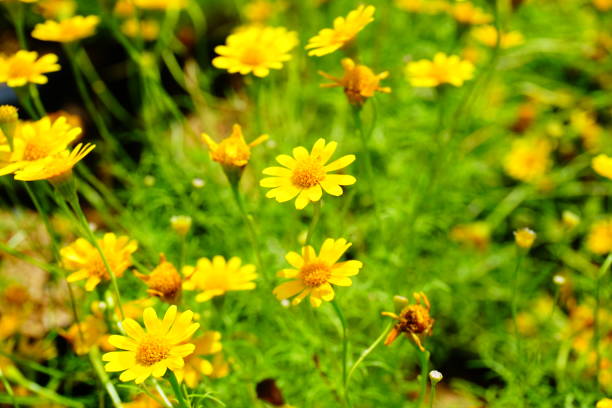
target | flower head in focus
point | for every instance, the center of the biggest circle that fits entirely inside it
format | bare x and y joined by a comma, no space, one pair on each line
68,30
216,277
55,168
315,274
233,151
163,282
599,240
413,320
528,159
256,50
329,40
84,260
602,164
359,82
306,175
25,67
441,70
162,345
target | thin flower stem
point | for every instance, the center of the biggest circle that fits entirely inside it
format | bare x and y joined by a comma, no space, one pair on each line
344,349
17,16
94,357
432,395
424,361
316,215
514,299
596,323
178,392
161,393
15,376
40,108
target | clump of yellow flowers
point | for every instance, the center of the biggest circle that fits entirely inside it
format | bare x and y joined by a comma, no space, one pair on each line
528,159
443,69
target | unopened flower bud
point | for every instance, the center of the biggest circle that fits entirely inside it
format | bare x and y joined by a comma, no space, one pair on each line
570,219
181,224
524,237
559,280
435,376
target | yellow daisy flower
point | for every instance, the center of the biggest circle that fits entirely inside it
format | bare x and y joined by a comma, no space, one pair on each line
147,29
25,67
256,50
314,274
164,281
487,35
306,175
442,70
599,240
153,351
528,159
413,320
602,5
195,365
466,13
602,164
83,258
524,237
34,141
218,277
56,168
345,29
359,82
68,30
233,150
94,333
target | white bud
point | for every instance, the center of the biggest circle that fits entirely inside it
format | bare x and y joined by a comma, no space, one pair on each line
435,376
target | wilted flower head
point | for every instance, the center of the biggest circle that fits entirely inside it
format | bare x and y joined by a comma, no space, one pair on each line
306,175
524,237
528,159
487,35
25,67
413,320
232,151
216,277
68,30
164,281
315,274
345,29
442,70
466,13
255,49
599,240
602,164
359,82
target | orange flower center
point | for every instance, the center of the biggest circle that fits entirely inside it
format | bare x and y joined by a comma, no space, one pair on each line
151,350
416,319
34,151
165,280
315,274
253,56
307,173
97,268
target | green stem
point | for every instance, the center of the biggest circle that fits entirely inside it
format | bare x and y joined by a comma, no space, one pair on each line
8,388
161,393
178,392
316,215
424,361
40,108
344,349
596,324
94,357
15,376
432,395
364,354
514,299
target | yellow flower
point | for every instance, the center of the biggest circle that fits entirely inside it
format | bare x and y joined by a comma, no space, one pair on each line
345,29
423,6
56,9
602,165
93,331
306,175
8,114
475,234
528,159
488,36
164,281
602,5
466,13
604,402
145,401
34,141
599,240
233,150
25,67
83,258
524,237
55,168
414,320
68,30
160,4
259,11
180,224
570,219
255,50
314,274
218,277
359,82
442,70
150,352
196,366
585,124
147,29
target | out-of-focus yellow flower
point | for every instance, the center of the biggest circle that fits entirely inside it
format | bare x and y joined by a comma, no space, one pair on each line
466,13
143,401
306,175
602,164
181,224
475,234
195,365
68,30
487,35
586,126
260,11
34,141
256,50
604,402
83,258
147,29
163,345
56,9
570,219
524,237
315,274
164,281
442,70
232,151
55,168
25,67
359,82
329,40
90,332
8,114
423,6
160,4
602,5
599,240
218,277
413,320
536,316
528,159
15,306
124,8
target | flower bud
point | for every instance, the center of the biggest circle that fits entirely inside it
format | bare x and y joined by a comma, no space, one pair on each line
435,376
524,237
